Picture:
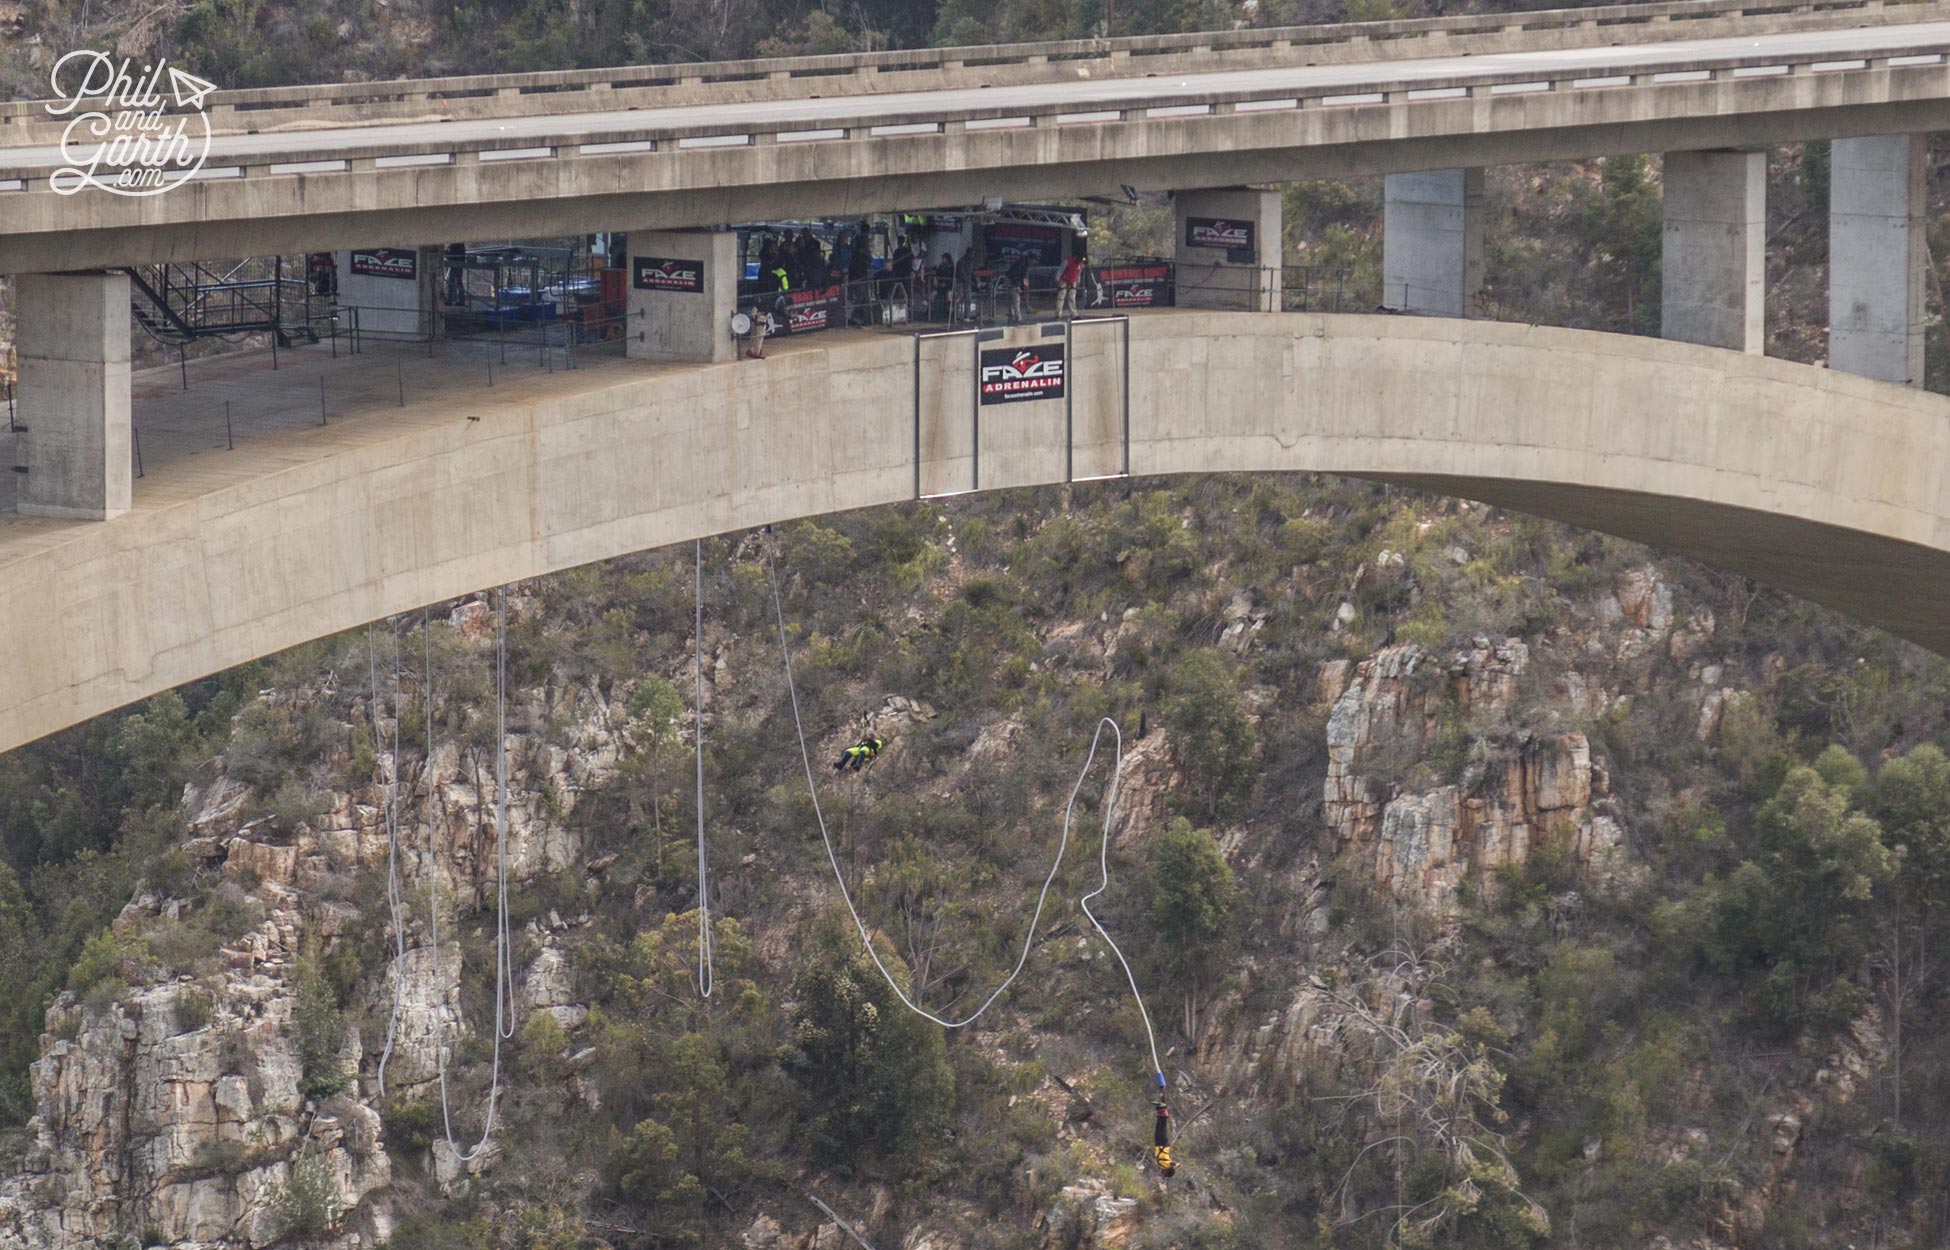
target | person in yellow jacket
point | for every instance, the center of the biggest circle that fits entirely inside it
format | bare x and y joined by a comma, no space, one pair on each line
1161,1141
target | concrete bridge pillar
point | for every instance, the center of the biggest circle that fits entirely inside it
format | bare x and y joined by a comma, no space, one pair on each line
1432,242
1714,258
73,345
1230,249
683,291
395,290
1877,258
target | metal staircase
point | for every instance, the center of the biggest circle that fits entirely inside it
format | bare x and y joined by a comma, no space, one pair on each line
176,303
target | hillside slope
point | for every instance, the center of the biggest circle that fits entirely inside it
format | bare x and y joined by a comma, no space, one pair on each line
1490,884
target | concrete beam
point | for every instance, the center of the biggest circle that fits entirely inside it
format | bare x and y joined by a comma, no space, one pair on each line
74,394
1229,249
687,188
1432,242
1877,256
668,320
1714,259
1665,443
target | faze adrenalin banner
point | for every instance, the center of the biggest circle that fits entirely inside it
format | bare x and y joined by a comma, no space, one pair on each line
1223,233
1044,244
387,262
812,309
1134,286
661,273
1013,374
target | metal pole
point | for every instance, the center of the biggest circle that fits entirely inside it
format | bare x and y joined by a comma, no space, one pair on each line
917,416
1127,397
229,435
274,349
182,363
135,437
975,417
1069,401
321,399
490,365
399,371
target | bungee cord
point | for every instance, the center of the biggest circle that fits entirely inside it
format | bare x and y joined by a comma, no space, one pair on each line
1029,938
392,841
1103,880
503,973
705,971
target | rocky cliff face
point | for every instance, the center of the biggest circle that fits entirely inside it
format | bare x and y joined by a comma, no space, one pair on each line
175,1115
1509,794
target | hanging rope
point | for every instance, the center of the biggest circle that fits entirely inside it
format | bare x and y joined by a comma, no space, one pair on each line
705,971
503,973
391,810
1029,938
1103,881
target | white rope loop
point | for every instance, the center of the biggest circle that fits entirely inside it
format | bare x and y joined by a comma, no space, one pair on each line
503,972
1029,937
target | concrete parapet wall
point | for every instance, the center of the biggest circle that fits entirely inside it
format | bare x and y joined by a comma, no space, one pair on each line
433,184
1824,484
929,69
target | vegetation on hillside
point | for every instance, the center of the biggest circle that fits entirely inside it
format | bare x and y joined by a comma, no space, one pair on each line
1791,872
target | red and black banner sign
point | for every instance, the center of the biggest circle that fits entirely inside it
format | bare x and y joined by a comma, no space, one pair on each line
1222,233
1013,374
1135,286
661,273
1042,244
812,309
387,262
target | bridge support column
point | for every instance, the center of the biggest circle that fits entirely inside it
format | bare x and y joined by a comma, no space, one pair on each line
1877,260
1712,283
1229,249
397,291
683,290
1432,242
74,394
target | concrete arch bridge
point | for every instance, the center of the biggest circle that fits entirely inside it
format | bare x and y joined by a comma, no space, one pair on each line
1824,484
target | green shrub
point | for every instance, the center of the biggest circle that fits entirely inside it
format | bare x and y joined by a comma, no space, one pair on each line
309,1201
192,1009
321,1031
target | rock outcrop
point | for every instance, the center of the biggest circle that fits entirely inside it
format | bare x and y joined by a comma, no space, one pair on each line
1400,718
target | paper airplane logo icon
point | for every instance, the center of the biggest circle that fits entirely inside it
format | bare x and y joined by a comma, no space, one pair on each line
188,89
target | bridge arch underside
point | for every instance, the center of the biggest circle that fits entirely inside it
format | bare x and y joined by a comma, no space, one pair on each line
1822,484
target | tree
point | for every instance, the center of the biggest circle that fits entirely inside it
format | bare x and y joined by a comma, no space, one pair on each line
1434,1105
1911,796
873,1075
655,707
1190,914
321,1030
1621,227
1212,732
1801,908
683,1077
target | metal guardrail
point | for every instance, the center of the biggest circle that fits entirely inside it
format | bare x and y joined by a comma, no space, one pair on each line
593,86
1177,109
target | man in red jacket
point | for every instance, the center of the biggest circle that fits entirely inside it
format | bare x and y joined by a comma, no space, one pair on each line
1066,284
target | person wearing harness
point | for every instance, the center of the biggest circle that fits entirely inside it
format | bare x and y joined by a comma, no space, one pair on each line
860,754
1161,1141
